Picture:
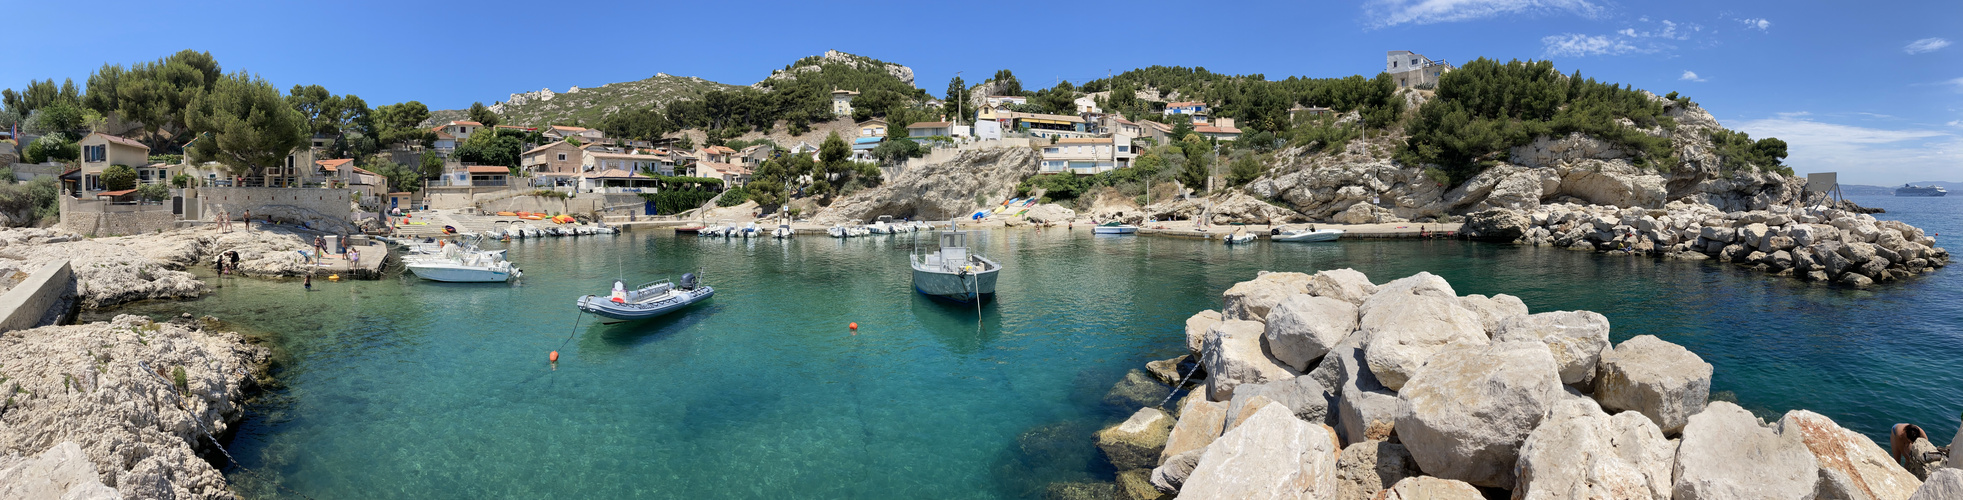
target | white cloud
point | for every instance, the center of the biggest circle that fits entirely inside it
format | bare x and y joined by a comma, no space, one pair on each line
1572,44
1925,45
1760,23
1690,75
1958,82
1383,13
1863,155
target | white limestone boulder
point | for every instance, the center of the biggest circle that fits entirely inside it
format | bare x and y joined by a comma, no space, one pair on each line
1944,484
1368,467
1200,422
63,471
1342,284
1664,381
1852,466
1431,488
1473,406
1233,356
1304,327
1251,299
1493,310
1196,327
1402,331
1302,395
1271,456
1726,453
1136,442
1581,452
1575,338
1365,409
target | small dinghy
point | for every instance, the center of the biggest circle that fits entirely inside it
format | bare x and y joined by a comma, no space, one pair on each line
1307,235
1238,238
1114,228
645,301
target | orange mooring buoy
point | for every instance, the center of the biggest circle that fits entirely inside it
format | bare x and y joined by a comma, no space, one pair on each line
854,325
554,357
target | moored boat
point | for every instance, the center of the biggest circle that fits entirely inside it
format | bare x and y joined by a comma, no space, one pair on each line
951,273
1238,238
1114,228
1307,235
463,263
646,301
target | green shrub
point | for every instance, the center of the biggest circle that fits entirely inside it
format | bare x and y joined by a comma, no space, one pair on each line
153,192
1737,151
118,177
548,193
733,197
177,377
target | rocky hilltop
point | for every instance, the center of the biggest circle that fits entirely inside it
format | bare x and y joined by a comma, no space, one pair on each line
137,400
939,191
543,107
810,64
1333,386
1575,169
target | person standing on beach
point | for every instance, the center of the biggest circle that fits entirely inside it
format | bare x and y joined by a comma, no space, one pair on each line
248,220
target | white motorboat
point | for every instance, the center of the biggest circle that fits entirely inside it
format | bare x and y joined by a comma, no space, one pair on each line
463,263
1114,228
1238,238
645,301
837,231
882,226
782,231
750,229
1307,235
951,273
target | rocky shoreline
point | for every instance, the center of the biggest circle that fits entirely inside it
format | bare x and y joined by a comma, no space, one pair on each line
1813,243
121,409
1332,386
123,269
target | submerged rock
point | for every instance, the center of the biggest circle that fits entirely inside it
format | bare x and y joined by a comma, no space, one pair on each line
1726,453
1472,407
1664,381
1081,491
1272,455
1136,442
1136,390
1173,371
1136,484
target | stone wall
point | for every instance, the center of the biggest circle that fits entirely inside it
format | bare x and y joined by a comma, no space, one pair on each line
94,218
237,200
29,304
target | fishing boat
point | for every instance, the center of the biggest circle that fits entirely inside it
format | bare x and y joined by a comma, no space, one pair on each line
951,273
782,231
463,263
646,301
1114,227
1238,238
1307,235
837,231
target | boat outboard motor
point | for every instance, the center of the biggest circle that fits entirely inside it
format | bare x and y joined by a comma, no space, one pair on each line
688,281
1274,232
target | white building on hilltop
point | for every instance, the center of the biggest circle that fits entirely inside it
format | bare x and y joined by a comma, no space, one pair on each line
1411,69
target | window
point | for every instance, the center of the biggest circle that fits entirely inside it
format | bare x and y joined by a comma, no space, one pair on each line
1393,64
1050,151
562,157
1414,62
1124,149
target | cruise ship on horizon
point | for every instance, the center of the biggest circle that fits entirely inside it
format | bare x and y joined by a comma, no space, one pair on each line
1914,190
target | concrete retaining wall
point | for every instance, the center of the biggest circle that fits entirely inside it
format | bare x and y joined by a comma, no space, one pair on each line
41,300
94,218
331,203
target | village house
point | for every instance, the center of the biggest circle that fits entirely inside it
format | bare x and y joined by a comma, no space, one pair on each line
562,132
1086,104
459,130
1087,155
1299,112
1411,69
1221,132
1005,100
1035,124
1196,110
931,129
99,151
444,143
488,176
1115,124
872,128
842,102
554,164
368,186
732,175
599,162
754,156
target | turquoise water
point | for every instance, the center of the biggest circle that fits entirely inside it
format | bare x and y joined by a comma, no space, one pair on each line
410,389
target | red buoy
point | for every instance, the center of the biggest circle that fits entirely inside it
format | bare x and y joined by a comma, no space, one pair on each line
854,325
554,357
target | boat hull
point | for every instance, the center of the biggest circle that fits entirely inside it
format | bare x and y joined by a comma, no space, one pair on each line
1323,235
955,287
1113,229
459,274
600,306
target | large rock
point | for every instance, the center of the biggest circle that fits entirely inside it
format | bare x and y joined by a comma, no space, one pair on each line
1945,484
1200,422
1304,327
1402,331
62,472
1430,488
1726,453
938,191
1852,466
1575,338
1365,213
1342,284
1499,224
1472,407
1136,442
1136,390
1302,395
1493,310
1664,381
1136,484
1233,356
1251,299
1581,452
1196,328
1365,408
1371,466
1049,213
1272,455
1172,474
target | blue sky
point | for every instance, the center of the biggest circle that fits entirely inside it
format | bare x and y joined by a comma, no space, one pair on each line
1873,90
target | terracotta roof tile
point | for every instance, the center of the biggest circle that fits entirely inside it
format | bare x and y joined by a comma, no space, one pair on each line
487,169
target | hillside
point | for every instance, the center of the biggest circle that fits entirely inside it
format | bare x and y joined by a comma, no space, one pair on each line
587,106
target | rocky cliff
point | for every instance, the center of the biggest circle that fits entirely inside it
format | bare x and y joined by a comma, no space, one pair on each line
812,64
1572,169
137,398
940,191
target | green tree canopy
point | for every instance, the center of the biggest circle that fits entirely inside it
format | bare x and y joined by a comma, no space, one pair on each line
955,104
401,123
244,124
482,114
1006,83
118,177
51,147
